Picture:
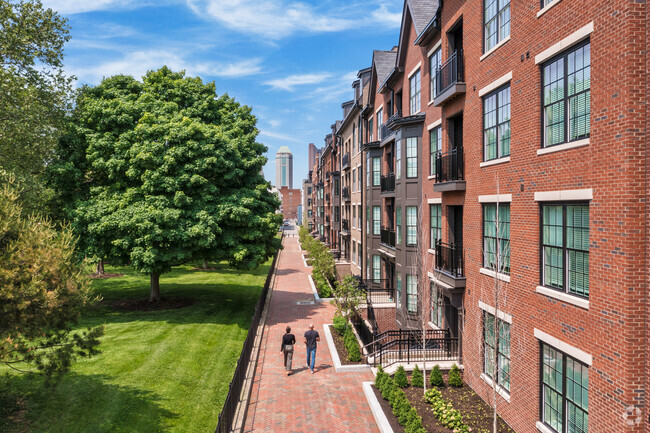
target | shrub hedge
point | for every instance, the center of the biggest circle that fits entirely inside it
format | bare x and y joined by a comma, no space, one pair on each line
402,408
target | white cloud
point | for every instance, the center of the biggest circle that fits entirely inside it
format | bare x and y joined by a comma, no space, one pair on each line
279,136
273,19
275,123
289,83
80,6
338,89
137,63
384,16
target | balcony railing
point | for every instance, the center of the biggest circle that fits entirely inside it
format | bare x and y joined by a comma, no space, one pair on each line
388,237
379,291
345,162
449,259
345,225
346,192
450,72
450,166
327,219
327,197
406,346
388,182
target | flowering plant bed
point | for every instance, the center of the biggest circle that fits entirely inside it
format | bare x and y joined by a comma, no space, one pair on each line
456,404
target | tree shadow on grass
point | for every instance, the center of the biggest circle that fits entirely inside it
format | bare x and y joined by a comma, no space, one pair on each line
88,403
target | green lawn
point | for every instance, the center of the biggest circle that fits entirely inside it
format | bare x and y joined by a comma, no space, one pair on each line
164,371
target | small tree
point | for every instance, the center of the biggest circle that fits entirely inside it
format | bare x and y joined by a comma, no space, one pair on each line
417,380
400,377
347,296
42,292
454,376
436,376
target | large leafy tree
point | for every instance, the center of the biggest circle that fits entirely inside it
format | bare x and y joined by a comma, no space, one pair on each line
171,173
42,292
34,93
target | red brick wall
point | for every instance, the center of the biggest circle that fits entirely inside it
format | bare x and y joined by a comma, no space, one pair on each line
613,165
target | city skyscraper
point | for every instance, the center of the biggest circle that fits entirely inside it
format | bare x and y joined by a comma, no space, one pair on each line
284,168
312,155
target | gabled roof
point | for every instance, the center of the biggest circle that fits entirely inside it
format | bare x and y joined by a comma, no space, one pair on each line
383,62
421,13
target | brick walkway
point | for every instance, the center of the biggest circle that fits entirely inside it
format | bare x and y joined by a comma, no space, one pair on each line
303,402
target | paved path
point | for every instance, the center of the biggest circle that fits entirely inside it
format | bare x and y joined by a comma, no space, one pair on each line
303,402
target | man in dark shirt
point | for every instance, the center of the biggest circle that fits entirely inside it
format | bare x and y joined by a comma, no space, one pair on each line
311,337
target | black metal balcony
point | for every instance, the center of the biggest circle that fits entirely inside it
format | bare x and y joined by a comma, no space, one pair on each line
345,225
383,131
388,183
450,171
449,259
345,161
327,197
327,219
450,78
388,237
346,193
379,291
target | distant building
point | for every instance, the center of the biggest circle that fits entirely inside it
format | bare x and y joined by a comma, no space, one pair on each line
313,154
284,168
290,200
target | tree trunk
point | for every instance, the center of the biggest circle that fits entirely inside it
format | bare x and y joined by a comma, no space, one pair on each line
205,264
155,288
100,267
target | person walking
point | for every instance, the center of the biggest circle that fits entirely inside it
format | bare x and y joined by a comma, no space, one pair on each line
311,337
288,340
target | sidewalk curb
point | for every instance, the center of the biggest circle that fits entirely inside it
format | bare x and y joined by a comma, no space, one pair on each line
338,367
377,412
313,289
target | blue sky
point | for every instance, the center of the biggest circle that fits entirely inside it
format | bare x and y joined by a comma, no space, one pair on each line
293,62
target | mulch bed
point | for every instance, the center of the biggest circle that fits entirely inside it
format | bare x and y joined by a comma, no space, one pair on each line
105,275
476,413
388,410
340,348
145,305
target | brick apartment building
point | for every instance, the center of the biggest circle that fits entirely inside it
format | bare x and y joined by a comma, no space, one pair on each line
504,177
290,199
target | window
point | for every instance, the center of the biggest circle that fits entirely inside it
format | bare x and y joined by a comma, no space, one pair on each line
309,213
367,220
435,147
309,190
370,130
337,187
354,137
435,224
565,392
360,257
398,159
502,351
490,247
359,179
376,268
376,220
376,171
496,124
436,305
565,248
337,214
497,22
412,157
354,179
414,89
308,202
398,290
411,294
367,169
434,65
546,2
411,225
567,83
398,225
354,215
380,119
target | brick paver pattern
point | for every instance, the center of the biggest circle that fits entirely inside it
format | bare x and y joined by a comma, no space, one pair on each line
302,402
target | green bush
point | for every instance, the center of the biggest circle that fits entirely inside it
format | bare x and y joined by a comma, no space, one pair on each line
435,378
454,377
381,376
388,388
352,346
322,287
340,324
417,380
400,378
405,414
